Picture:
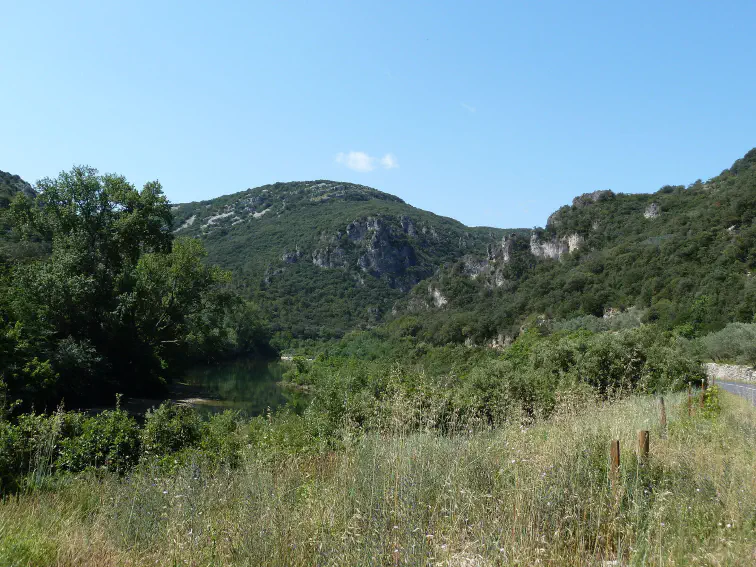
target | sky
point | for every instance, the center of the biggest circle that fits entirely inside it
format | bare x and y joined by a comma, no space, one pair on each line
493,113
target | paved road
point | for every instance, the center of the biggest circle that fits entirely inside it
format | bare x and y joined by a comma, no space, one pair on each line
748,391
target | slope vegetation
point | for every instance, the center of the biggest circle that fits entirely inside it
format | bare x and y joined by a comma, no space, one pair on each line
323,257
682,257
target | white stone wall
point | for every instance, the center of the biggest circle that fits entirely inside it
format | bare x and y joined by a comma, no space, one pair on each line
730,372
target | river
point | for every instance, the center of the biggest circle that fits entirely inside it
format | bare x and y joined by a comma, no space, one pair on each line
249,386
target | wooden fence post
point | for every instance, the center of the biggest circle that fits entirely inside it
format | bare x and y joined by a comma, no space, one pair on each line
615,464
663,419
643,446
690,401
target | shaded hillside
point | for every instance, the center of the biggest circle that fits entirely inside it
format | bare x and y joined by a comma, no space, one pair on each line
323,257
10,245
683,256
10,185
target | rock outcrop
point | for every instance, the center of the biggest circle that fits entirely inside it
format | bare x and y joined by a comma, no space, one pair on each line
329,257
590,198
652,211
438,298
502,253
556,247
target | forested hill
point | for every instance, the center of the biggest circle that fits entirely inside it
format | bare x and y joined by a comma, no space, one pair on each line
10,246
683,257
323,257
11,184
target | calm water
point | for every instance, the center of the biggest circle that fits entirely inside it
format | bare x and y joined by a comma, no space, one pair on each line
249,386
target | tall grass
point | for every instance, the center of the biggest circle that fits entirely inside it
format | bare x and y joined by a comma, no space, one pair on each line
516,495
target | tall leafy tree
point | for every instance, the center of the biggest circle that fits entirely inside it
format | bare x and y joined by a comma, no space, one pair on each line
118,305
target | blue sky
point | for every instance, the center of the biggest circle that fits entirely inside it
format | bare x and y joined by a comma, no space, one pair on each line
494,113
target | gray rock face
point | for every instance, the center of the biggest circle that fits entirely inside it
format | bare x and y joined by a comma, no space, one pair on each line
473,267
553,249
357,230
556,247
291,257
590,198
408,226
378,248
652,211
329,257
502,253
438,298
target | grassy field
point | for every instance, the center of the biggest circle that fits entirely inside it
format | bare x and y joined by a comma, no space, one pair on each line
517,495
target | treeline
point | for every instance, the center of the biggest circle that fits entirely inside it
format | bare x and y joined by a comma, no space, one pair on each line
115,303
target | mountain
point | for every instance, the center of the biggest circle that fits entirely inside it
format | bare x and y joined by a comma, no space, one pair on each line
10,185
683,257
323,257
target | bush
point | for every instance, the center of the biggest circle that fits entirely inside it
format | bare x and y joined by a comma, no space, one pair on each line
222,441
169,429
109,440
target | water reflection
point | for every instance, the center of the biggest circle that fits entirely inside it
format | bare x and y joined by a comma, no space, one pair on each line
246,385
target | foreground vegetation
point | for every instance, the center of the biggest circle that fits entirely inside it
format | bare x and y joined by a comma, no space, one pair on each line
522,494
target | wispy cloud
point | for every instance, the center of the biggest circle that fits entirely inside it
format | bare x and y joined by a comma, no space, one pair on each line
468,108
389,161
360,161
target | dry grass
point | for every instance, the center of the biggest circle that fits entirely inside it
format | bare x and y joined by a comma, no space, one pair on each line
534,495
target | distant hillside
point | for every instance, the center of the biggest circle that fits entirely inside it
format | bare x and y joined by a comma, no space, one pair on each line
323,257
10,185
684,257
10,247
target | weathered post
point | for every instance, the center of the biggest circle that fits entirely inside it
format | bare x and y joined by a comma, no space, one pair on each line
663,419
703,394
643,446
690,401
615,464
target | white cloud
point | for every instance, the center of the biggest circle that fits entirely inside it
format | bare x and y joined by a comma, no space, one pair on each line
360,161
468,107
389,161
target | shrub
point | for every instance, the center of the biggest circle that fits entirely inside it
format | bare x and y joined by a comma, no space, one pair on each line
169,429
222,439
109,440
